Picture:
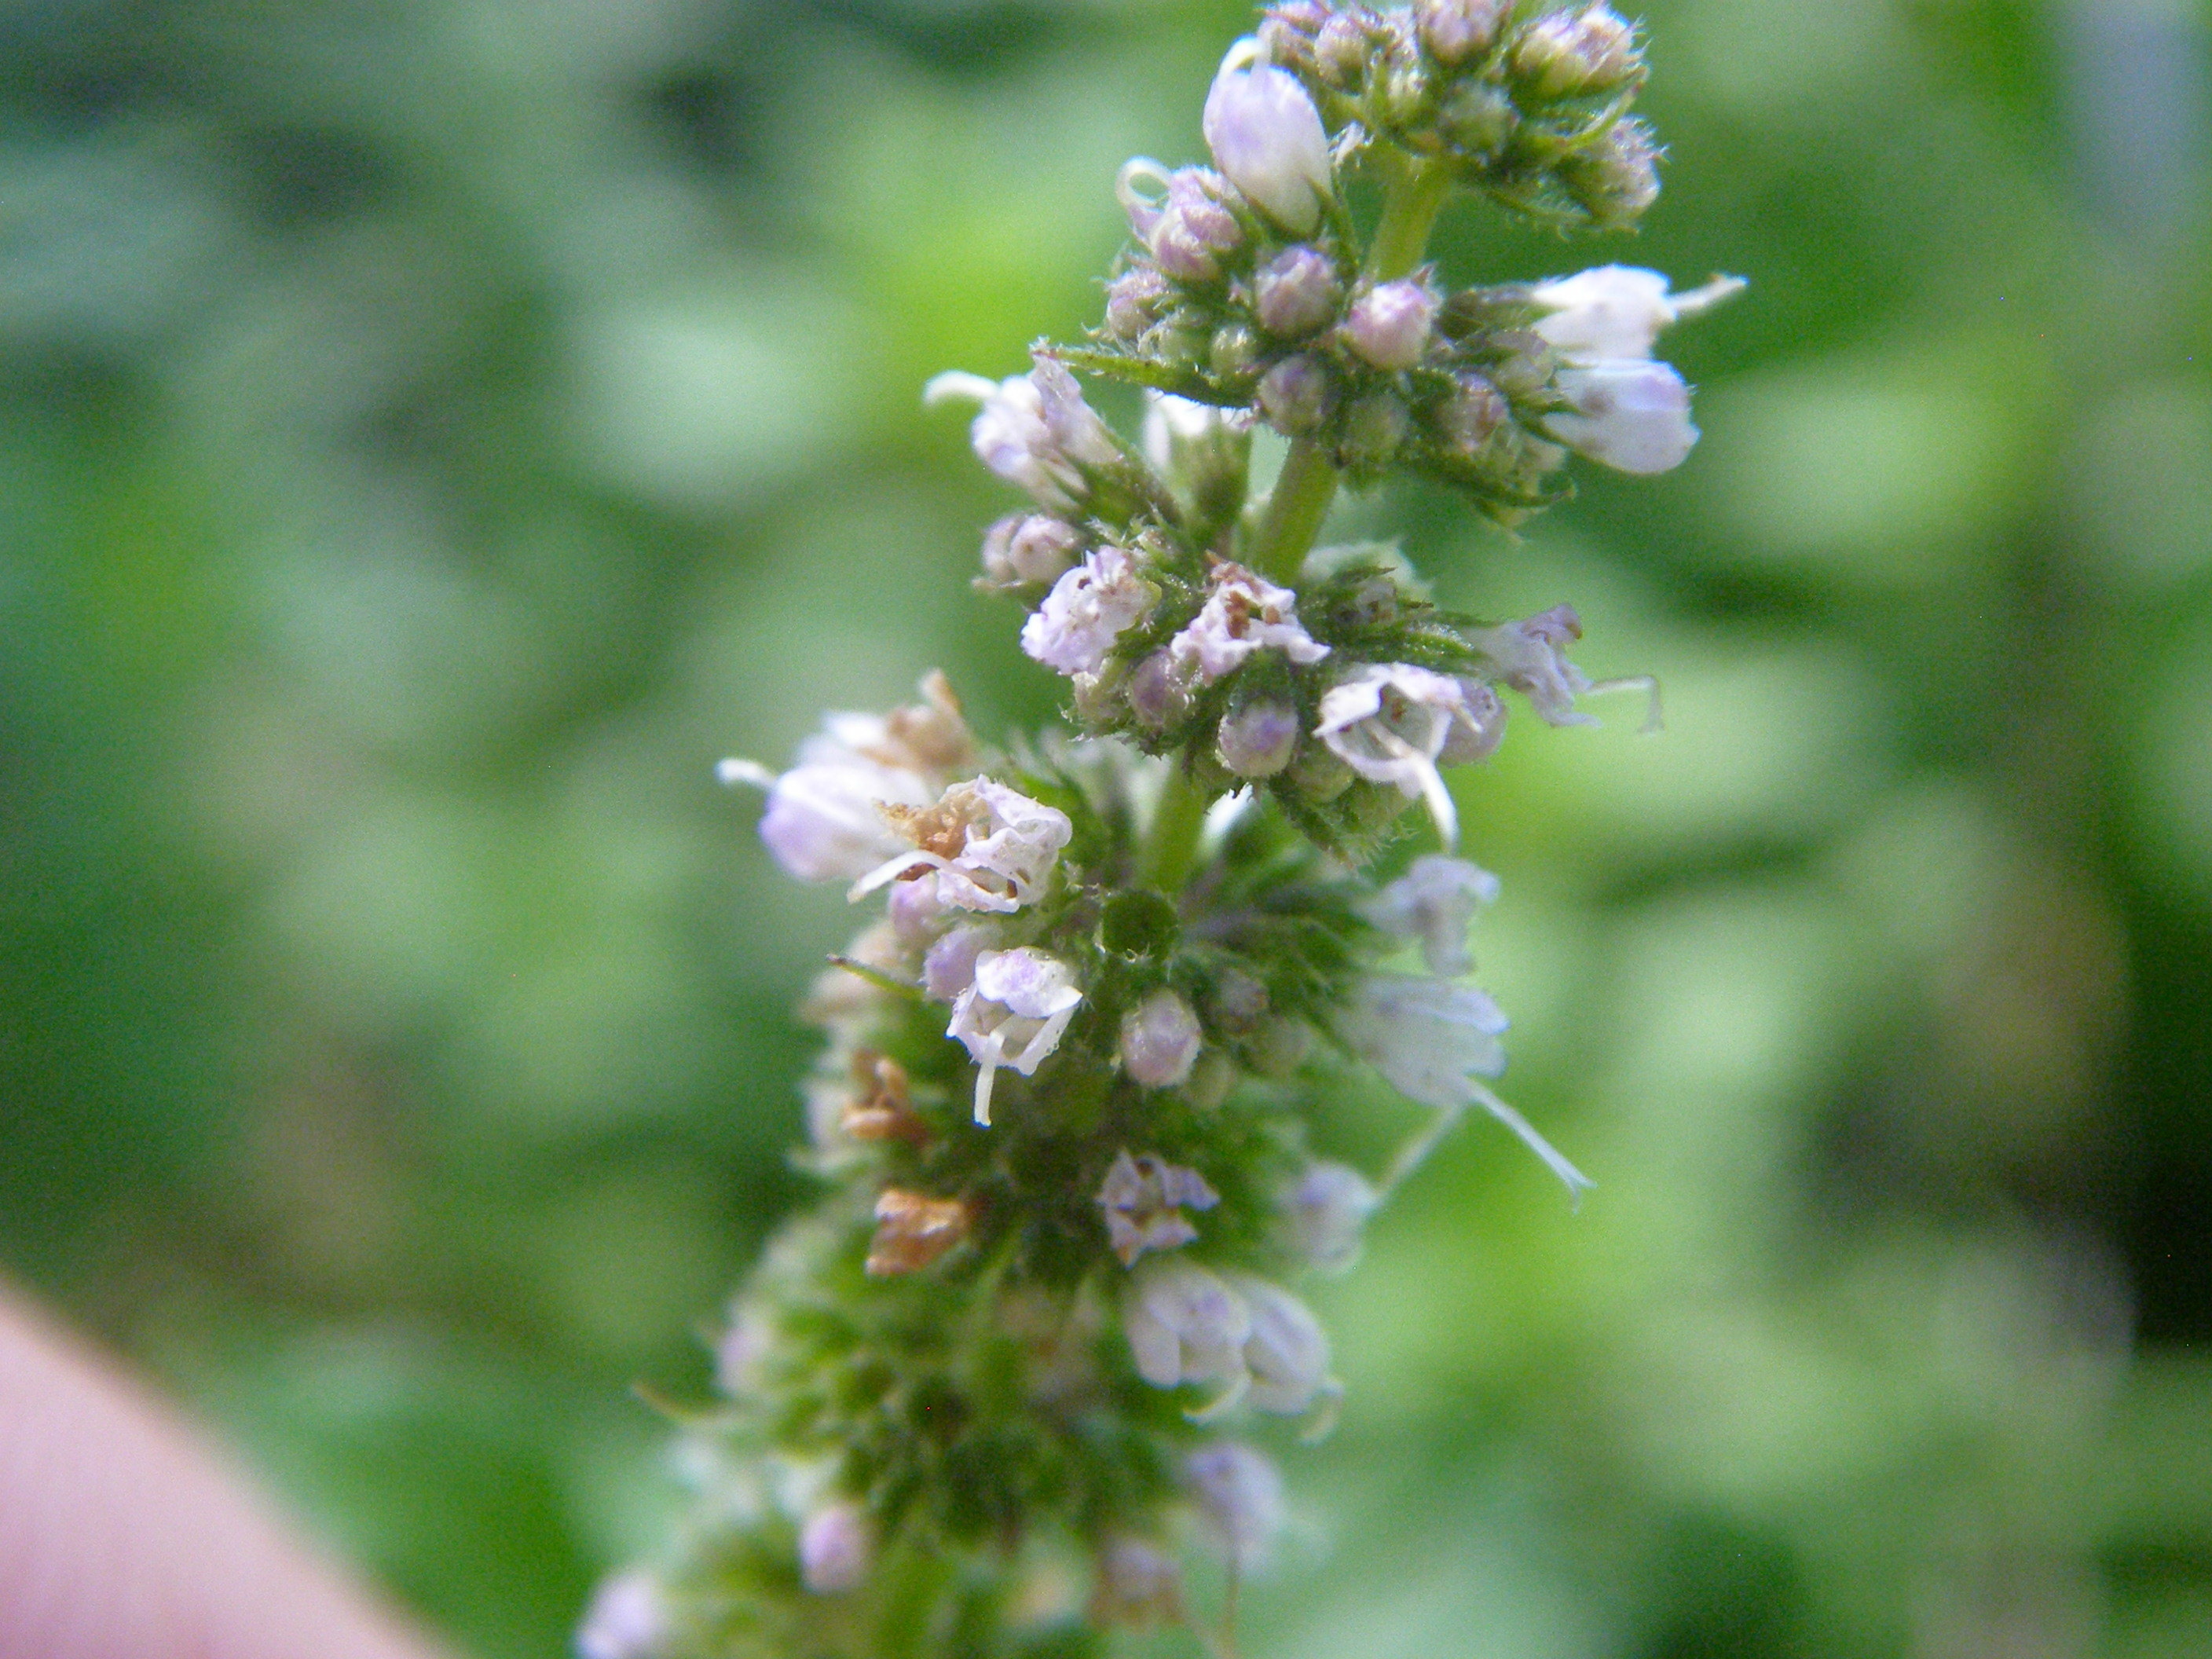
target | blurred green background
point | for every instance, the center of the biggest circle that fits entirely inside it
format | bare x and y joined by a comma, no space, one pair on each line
432,434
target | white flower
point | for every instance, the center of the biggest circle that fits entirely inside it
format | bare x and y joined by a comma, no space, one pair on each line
1530,657
1013,1014
1287,1352
1625,410
992,847
1239,1495
1617,311
1267,136
823,821
1434,901
1629,414
837,1548
1324,1213
1144,1198
1188,1324
1243,613
1088,607
1160,1040
1431,1040
1034,430
627,1619
1389,722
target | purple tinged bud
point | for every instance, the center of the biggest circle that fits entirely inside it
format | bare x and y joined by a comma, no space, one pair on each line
1160,1041
1295,395
1617,181
1389,325
1257,740
1234,351
949,968
1279,1046
1024,547
1475,409
1239,1497
1239,1002
1135,300
1339,50
1563,55
837,1548
1157,695
1456,30
1193,229
1296,292
917,915
1267,136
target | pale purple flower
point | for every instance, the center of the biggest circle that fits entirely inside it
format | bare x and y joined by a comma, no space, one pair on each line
1157,696
1389,325
1185,1325
1434,902
1087,609
1432,1039
1454,30
1186,227
1567,53
1257,740
1243,613
627,1619
1013,1014
1143,1199
1160,1040
823,821
1530,657
949,967
1294,395
1629,414
1324,1213
1034,430
1389,722
1612,311
993,847
1239,1497
837,1548
1267,136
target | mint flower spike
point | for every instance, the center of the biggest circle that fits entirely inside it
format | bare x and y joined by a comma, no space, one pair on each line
1063,1106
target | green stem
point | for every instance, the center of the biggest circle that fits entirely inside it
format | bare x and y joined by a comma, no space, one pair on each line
1415,198
1298,504
1172,848
1302,496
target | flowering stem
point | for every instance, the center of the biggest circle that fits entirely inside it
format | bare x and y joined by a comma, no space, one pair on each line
1301,494
1177,824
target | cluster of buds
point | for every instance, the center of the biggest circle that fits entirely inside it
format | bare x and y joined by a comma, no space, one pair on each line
1064,1109
1527,105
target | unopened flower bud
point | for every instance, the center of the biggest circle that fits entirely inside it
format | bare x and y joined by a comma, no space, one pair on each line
1239,1002
1389,325
1456,30
1194,229
1234,352
837,1548
1523,365
1478,116
1296,292
1160,1040
949,968
1319,774
1256,741
1267,136
1279,1046
1373,428
1474,411
1135,300
1322,1214
627,1619
1618,179
1563,55
1029,547
1157,696
1239,1496
1341,49
1210,1079
1295,395
912,1230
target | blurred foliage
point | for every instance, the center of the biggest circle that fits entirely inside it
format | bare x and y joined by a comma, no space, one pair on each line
434,432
